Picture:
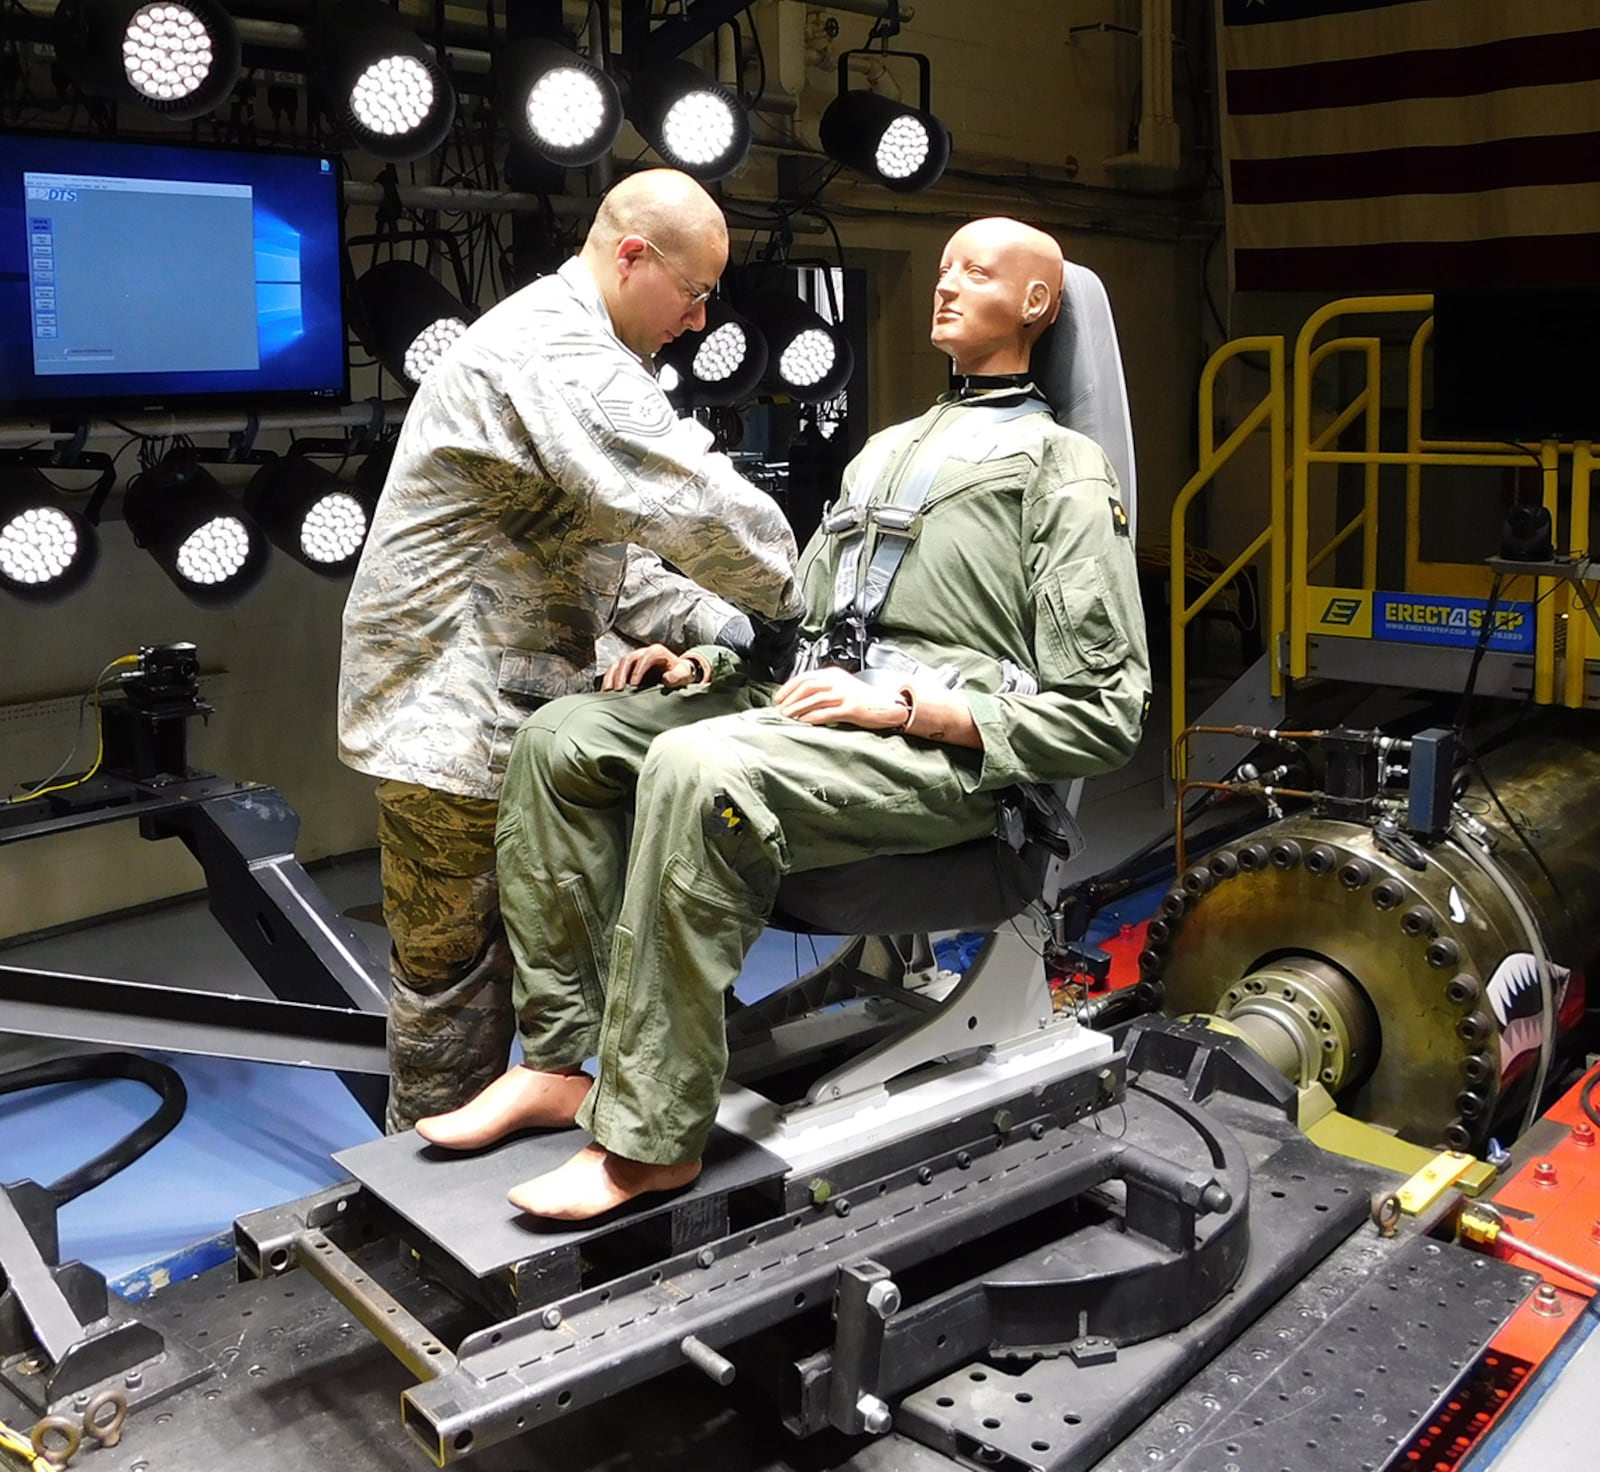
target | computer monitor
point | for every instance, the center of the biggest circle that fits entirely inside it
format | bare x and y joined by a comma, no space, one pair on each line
154,276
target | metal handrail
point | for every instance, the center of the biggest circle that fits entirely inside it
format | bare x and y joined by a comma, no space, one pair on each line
1270,412
1288,533
1366,520
1553,597
1579,631
1300,419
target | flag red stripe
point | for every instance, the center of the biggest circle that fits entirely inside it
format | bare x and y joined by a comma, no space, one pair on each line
1463,71
1502,163
1422,265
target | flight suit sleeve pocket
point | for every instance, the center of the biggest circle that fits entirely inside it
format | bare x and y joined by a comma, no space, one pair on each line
1077,628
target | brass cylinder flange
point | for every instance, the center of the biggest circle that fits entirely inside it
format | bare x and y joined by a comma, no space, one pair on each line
1307,1018
1412,940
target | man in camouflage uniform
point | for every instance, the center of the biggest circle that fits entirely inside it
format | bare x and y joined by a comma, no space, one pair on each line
974,622
534,453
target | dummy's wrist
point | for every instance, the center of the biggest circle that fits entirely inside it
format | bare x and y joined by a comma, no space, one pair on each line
720,663
701,666
908,701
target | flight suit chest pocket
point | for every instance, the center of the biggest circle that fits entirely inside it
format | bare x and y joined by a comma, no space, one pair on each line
1078,626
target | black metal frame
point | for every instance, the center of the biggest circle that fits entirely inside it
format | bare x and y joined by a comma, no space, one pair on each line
332,991
1085,1244
61,1331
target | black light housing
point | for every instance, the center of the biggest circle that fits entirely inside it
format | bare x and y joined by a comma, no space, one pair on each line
48,549
808,358
719,366
905,149
384,86
373,474
309,513
407,318
211,550
177,57
816,470
563,107
694,123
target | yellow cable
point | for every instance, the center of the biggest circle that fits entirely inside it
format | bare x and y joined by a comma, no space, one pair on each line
99,737
18,1445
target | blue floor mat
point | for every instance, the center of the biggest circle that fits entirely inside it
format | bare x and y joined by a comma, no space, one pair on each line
254,1135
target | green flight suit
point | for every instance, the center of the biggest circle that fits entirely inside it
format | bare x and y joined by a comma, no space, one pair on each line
1020,566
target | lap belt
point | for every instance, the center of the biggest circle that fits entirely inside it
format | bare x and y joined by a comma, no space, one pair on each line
1025,812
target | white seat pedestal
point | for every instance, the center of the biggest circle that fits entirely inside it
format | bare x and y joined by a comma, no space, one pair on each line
995,1037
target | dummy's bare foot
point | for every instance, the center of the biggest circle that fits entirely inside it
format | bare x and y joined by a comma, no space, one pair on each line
525,1098
596,1181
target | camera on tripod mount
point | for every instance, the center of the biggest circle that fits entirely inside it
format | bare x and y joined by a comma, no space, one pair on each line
167,674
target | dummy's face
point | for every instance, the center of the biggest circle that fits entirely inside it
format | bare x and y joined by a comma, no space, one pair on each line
662,291
978,302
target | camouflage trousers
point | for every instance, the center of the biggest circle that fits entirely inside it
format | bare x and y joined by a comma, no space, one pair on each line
450,1017
626,944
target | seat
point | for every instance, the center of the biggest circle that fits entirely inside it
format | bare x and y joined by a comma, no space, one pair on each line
1078,368
889,905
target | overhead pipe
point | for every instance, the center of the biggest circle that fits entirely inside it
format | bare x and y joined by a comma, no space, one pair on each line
1159,156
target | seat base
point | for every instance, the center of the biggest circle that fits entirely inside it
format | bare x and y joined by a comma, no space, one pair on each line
815,1137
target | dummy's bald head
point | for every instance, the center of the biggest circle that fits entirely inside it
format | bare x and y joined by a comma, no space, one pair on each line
999,287
662,205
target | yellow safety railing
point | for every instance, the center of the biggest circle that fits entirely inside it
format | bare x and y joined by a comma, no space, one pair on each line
1306,454
1285,412
1268,413
1364,521
1552,598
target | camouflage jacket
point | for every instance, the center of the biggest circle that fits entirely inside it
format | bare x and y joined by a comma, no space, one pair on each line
535,451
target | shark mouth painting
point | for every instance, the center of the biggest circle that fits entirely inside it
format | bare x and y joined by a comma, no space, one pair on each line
1514,997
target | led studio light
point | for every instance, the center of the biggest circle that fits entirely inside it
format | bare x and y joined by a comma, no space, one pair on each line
904,148
47,549
562,106
383,84
428,346
408,318
309,513
694,123
210,549
177,59
808,359
719,366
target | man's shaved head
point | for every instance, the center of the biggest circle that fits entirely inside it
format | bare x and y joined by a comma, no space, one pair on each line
663,205
655,250
999,287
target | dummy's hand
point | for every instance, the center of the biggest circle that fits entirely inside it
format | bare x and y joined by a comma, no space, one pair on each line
648,665
834,697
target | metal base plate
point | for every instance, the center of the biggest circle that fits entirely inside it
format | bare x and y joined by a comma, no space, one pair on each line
1341,1375
1062,1415
817,1137
457,1201
299,1384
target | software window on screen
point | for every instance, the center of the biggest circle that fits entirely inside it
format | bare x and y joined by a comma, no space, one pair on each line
140,275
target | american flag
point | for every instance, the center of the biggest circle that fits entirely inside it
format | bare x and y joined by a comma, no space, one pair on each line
1410,145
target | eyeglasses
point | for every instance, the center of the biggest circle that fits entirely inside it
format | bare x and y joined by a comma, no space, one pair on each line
693,294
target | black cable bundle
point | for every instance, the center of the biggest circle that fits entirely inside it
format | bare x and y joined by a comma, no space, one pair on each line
165,1081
